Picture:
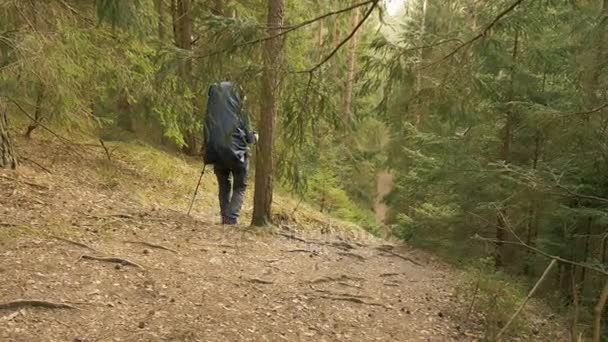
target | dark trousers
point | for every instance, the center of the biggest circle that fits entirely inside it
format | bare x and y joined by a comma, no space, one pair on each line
231,191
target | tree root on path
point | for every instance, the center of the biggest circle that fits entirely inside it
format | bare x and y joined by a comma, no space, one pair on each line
153,245
352,255
260,281
300,251
75,243
356,300
336,279
20,303
391,253
114,260
338,294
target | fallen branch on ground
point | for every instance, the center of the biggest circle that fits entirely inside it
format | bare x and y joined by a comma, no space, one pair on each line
121,261
76,243
153,245
20,303
540,280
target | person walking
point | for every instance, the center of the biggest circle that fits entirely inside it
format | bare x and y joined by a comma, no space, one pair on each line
227,136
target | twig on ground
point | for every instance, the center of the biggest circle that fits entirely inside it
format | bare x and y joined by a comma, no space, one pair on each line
153,245
76,243
36,163
540,280
113,260
20,303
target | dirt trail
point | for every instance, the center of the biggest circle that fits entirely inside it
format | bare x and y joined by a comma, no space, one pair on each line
198,281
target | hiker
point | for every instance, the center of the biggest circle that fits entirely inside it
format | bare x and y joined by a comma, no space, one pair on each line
227,134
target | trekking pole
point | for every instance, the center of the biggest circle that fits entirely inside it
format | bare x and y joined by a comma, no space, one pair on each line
196,190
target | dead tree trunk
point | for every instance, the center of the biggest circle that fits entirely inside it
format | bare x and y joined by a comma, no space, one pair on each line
8,158
264,164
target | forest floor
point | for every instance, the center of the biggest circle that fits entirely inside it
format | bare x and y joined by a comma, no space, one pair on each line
181,278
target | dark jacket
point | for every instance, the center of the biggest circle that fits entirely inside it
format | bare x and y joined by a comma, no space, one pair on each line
227,130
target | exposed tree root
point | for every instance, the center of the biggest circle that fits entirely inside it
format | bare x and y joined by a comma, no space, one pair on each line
355,300
342,245
390,252
336,279
114,260
153,245
338,294
352,255
260,281
75,243
293,237
20,303
389,275
300,251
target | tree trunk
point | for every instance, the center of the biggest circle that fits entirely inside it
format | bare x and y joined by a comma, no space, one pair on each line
264,164
598,312
8,157
505,156
160,9
350,70
182,27
420,59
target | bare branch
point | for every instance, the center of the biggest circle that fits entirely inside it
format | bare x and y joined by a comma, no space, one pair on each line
288,29
543,253
482,34
592,111
66,141
344,41
540,280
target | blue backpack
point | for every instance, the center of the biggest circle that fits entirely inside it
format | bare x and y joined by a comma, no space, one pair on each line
227,130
